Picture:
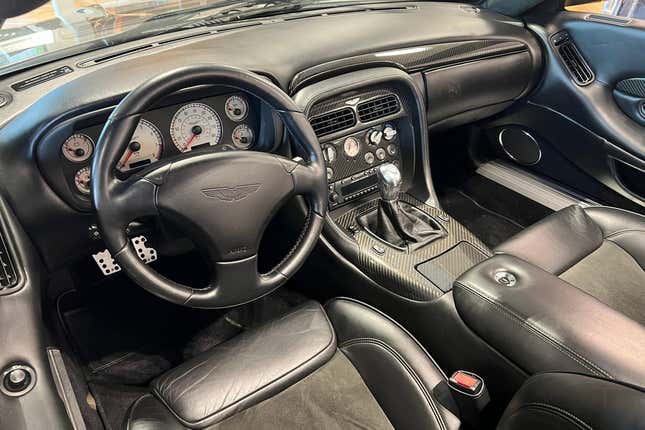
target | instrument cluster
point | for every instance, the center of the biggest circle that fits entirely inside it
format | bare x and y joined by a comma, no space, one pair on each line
217,123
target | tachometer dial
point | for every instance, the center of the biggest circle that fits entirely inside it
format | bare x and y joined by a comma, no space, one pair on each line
78,148
242,136
194,125
236,108
145,147
82,180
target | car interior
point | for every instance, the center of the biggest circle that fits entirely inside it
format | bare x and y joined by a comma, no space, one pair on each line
308,214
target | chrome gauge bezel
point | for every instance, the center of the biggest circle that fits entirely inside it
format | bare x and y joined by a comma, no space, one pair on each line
231,115
240,145
351,147
78,159
77,183
181,138
158,142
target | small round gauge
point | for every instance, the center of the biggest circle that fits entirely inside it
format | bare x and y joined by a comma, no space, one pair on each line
82,180
78,147
144,148
236,108
351,146
242,136
194,125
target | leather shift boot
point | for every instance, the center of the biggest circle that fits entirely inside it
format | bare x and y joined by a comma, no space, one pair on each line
401,224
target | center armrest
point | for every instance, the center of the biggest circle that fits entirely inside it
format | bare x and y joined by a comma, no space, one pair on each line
543,323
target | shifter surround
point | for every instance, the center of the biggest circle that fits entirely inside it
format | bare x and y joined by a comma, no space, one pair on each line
368,221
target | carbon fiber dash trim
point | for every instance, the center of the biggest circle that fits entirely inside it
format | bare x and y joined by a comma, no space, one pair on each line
444,269
633,86
417,57
395,269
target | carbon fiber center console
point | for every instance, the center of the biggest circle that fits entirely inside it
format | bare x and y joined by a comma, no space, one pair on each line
361,126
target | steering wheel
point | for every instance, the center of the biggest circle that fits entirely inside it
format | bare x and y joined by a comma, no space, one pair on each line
223,201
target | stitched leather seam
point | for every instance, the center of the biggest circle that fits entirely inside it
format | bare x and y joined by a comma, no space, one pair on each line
584,362
398,326
406,366
625,230
132,408
201,421
561,413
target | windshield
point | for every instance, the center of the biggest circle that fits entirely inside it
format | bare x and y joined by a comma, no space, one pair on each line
62,27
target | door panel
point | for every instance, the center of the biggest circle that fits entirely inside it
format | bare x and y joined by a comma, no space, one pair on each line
608,113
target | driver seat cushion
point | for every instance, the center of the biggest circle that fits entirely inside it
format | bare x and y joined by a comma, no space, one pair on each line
599,250
292,373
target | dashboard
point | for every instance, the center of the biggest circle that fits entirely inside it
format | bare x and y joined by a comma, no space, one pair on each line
461,73
220,122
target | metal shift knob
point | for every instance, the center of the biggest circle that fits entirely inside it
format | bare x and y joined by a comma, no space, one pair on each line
389,181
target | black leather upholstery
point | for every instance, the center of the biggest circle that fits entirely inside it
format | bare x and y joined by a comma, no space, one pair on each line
395,367
563,239
600,250
557,242
545,324
248,369
261,363
574,402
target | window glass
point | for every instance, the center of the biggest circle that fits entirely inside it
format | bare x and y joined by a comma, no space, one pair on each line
624,8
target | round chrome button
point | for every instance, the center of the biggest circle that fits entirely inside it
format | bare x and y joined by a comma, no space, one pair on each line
392,149
369,158
505,278
17,380
330,173
389,132
329,152
380,154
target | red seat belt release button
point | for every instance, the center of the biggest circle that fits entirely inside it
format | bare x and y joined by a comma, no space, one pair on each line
465,381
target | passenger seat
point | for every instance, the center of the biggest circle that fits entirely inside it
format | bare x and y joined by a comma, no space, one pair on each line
599,250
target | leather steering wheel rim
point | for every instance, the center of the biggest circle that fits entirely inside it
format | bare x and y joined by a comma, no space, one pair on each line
198,191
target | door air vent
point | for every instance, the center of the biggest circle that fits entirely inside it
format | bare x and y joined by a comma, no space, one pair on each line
333,121
378,108
572,59
8,275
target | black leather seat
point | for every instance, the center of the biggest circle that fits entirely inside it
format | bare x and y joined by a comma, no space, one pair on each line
350,366
599,250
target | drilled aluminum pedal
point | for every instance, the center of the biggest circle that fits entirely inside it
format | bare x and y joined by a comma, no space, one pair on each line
108,266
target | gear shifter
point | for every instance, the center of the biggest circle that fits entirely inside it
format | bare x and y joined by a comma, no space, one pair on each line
397,222
389,182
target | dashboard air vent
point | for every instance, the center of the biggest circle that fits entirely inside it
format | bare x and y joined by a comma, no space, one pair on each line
8,275
333,121
378,108
573,60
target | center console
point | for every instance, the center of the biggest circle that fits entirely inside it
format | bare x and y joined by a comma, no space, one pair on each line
369,122
541,323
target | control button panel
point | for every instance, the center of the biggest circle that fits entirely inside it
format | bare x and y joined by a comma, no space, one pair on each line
351,161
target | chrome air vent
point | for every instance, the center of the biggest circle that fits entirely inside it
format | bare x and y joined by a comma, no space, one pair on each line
334,121
378,108
8,275
572,59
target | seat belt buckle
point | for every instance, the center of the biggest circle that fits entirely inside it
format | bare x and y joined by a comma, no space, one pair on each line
470,393
467,383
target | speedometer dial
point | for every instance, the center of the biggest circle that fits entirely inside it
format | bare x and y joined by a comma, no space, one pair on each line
195,125
145,147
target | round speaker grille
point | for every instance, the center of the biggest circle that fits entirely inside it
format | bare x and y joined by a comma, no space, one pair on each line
520,146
